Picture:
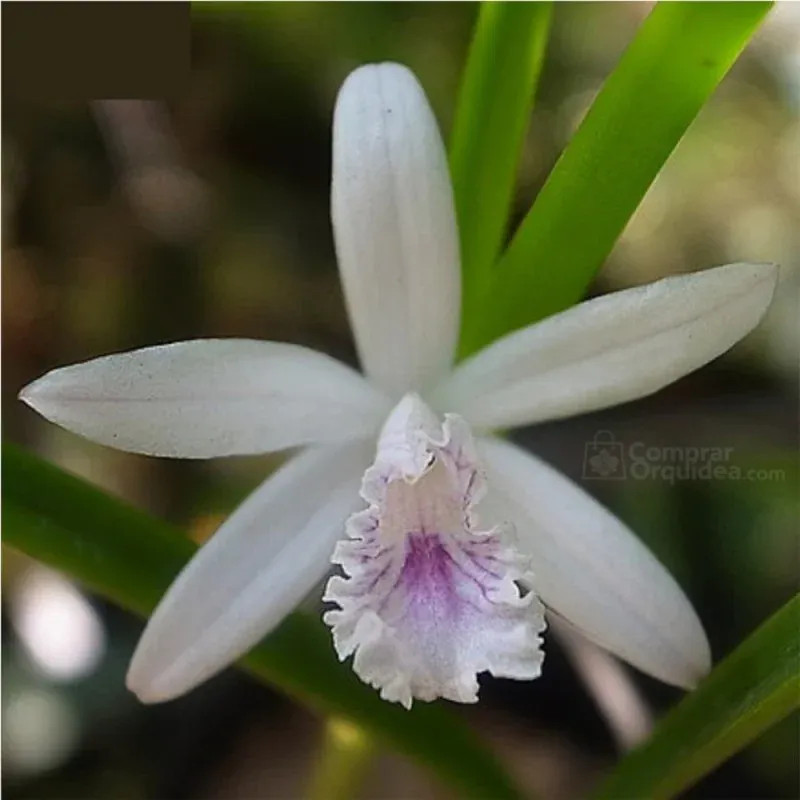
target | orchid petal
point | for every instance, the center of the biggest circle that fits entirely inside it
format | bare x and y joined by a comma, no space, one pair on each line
395,229
429,600
611,349
255,569
210,397
592,570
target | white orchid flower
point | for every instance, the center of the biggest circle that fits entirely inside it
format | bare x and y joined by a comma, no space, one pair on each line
397,462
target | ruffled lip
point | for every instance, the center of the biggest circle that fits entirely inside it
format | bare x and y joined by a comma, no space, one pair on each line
428,600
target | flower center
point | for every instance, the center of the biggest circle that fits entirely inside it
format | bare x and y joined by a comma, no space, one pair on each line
428,601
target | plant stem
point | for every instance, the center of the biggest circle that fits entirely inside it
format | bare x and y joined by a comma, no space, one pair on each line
343,763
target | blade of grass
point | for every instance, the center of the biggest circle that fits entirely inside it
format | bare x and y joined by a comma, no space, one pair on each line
492,113
752,689
679,55
130,558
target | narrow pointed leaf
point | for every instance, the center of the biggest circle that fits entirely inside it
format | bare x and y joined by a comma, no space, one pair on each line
680,54
752,689
131,558
492,114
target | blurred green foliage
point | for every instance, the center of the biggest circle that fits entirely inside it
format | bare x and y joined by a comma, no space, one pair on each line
662,81
756,686
494,105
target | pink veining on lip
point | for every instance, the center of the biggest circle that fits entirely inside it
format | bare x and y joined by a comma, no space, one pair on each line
428,600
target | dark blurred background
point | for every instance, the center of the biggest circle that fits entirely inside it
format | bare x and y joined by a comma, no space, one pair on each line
133,223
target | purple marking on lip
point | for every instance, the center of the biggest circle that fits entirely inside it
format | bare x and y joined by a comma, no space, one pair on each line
427,577
427,601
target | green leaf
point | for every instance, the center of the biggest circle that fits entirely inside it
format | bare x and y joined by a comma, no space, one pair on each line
752,689
491,118
130,558
678,57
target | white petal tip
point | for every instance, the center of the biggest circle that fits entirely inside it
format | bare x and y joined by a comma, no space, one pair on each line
391,75
760,279
367,71
146,692
151,685
697,652
765,273
28,394
40,396
687,682
765,269
699,668
688,661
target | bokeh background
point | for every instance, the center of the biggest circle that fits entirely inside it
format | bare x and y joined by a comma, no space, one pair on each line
134,223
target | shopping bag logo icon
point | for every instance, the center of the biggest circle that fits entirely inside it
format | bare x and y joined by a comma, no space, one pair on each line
603,458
